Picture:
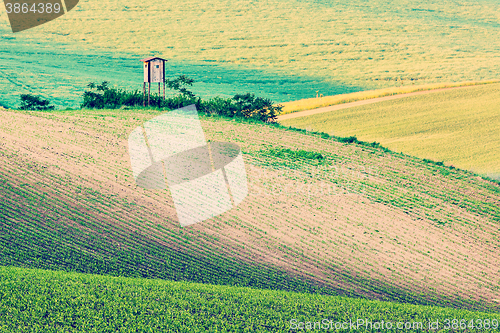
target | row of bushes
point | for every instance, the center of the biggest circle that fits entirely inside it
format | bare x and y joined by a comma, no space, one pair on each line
102,96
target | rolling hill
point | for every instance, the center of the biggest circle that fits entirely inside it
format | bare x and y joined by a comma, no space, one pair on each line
390,41
322,216
286,50
333,227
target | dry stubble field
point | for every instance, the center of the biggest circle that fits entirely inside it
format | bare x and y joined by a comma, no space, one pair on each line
356,44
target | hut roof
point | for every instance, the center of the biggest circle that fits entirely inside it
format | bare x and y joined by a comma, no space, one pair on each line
148,59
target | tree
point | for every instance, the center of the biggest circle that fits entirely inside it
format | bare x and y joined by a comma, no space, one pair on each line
259,108
37,103
179,83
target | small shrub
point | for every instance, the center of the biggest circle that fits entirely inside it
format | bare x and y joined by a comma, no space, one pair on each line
288,153
350,139
36,103
249,106
219,106
178,101
324,135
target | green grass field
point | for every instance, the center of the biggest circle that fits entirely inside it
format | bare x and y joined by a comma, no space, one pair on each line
459,127
61,73
49,301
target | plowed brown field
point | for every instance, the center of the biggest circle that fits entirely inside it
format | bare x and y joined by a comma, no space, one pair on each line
360,221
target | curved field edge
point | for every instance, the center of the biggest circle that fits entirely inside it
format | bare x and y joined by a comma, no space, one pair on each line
319,102
458,126
73,191
54,301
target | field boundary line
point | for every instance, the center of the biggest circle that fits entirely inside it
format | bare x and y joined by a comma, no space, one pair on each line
336,107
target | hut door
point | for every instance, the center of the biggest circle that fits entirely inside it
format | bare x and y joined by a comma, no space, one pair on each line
156,71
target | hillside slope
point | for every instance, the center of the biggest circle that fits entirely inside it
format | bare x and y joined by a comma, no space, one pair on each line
355,220
353,43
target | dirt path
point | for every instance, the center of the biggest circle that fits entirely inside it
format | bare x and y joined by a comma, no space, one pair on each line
358,103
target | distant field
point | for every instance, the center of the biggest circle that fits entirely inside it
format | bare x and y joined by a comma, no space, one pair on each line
49,301
334,47
459,127
322,216
323,101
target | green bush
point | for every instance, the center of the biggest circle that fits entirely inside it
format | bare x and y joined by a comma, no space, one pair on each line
295,154
37,103
219,106
101,96
350,139
249,106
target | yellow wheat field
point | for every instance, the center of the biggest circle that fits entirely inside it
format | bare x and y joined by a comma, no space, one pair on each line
314,103
460,127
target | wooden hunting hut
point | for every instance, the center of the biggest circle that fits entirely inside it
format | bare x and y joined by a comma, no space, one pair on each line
154,71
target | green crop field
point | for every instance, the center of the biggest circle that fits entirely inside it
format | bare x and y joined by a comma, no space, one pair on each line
459,127
48,301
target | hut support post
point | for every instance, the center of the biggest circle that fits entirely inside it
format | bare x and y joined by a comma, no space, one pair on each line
159,100
144,94
164,91
149,92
